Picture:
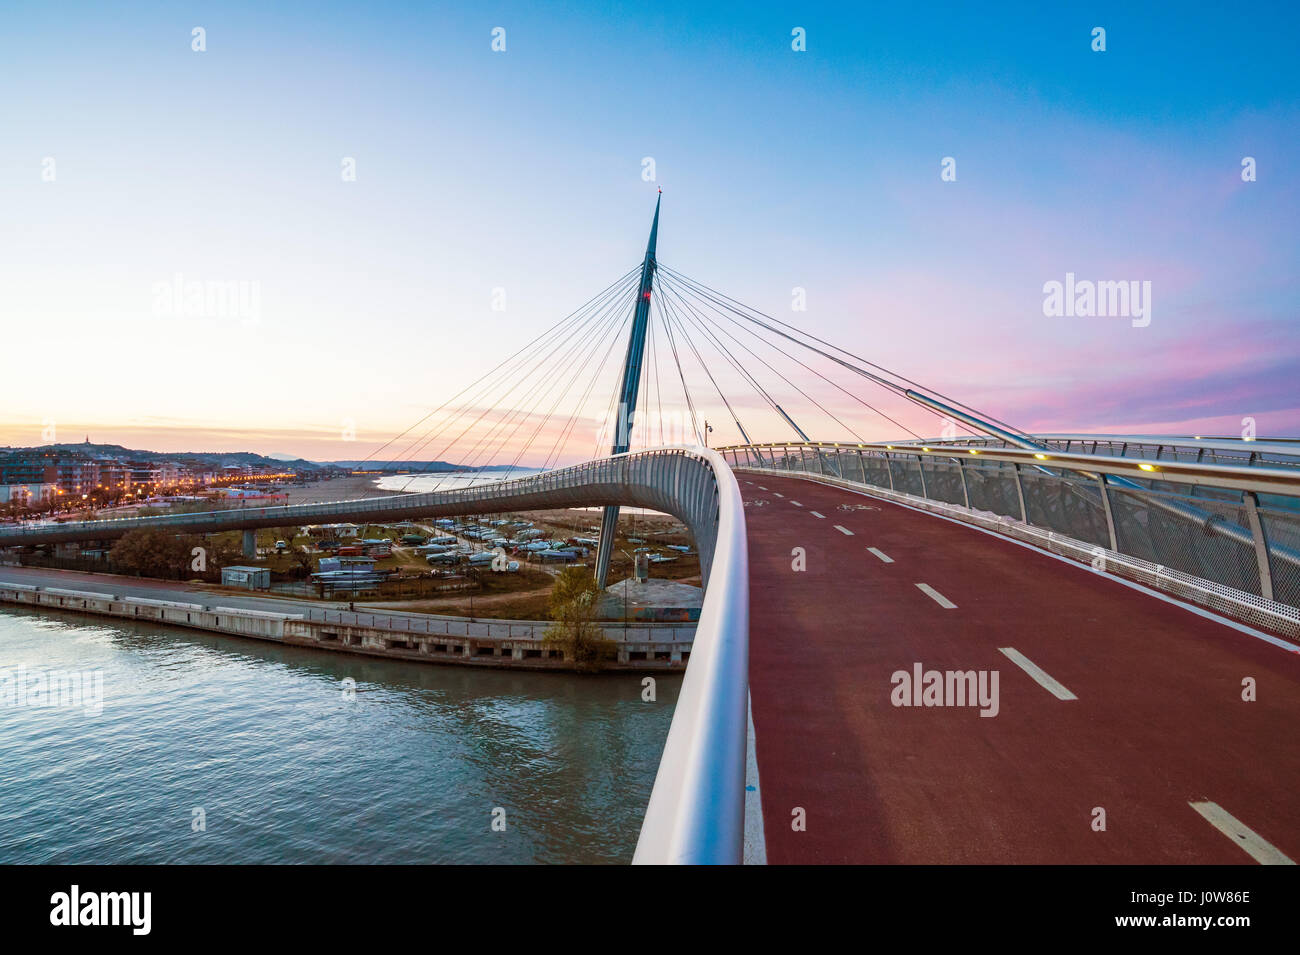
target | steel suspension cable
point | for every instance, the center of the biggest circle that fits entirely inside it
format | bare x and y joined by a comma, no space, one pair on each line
599,295
433,433
563,439
890,385
705,318
541,364
669,309
677,360
579,356
611,324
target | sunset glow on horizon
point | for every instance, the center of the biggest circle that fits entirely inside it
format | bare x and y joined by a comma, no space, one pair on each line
494,192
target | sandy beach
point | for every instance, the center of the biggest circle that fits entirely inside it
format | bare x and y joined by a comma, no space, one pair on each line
350,488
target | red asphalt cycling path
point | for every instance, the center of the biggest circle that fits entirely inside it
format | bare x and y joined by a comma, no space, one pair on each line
1159,721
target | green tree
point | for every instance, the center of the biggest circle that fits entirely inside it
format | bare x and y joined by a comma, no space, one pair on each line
573,608
152,552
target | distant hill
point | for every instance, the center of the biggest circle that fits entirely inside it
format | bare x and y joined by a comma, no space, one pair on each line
219,459
211,459
427,466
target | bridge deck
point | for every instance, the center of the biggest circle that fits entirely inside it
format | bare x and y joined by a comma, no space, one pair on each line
1158,723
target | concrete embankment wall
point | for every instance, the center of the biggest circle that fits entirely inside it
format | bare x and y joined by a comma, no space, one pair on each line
502,643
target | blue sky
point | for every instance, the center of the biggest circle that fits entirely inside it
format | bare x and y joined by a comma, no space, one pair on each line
522,170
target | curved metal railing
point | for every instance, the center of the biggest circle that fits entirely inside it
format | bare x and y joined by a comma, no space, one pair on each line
1251,452
696,812
1231,525
1259,477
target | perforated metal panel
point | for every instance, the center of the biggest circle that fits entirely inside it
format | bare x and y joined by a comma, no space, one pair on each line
1184,541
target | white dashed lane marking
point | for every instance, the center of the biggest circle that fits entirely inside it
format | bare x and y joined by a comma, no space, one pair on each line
1038,673
937,597
796,504
1250,841
844,530
881,554
815,514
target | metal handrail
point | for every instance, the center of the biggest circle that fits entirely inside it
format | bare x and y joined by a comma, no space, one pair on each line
1257,478
1289,447
696,813
1276,452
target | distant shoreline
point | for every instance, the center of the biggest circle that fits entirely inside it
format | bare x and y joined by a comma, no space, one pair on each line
351,487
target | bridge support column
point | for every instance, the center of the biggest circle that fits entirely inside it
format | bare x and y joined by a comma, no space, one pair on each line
250,544
605,546
628,391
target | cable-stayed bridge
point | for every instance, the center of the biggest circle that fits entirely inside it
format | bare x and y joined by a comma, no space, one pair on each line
1129,592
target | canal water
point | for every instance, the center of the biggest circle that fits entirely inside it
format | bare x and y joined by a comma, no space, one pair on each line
210,749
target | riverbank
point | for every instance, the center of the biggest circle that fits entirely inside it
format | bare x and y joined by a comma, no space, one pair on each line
423,638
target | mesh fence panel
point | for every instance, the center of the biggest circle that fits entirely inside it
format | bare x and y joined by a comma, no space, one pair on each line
855,466
846,464
877,471
943,481
1282,531
1065,505
1184,541
993,488
907,476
